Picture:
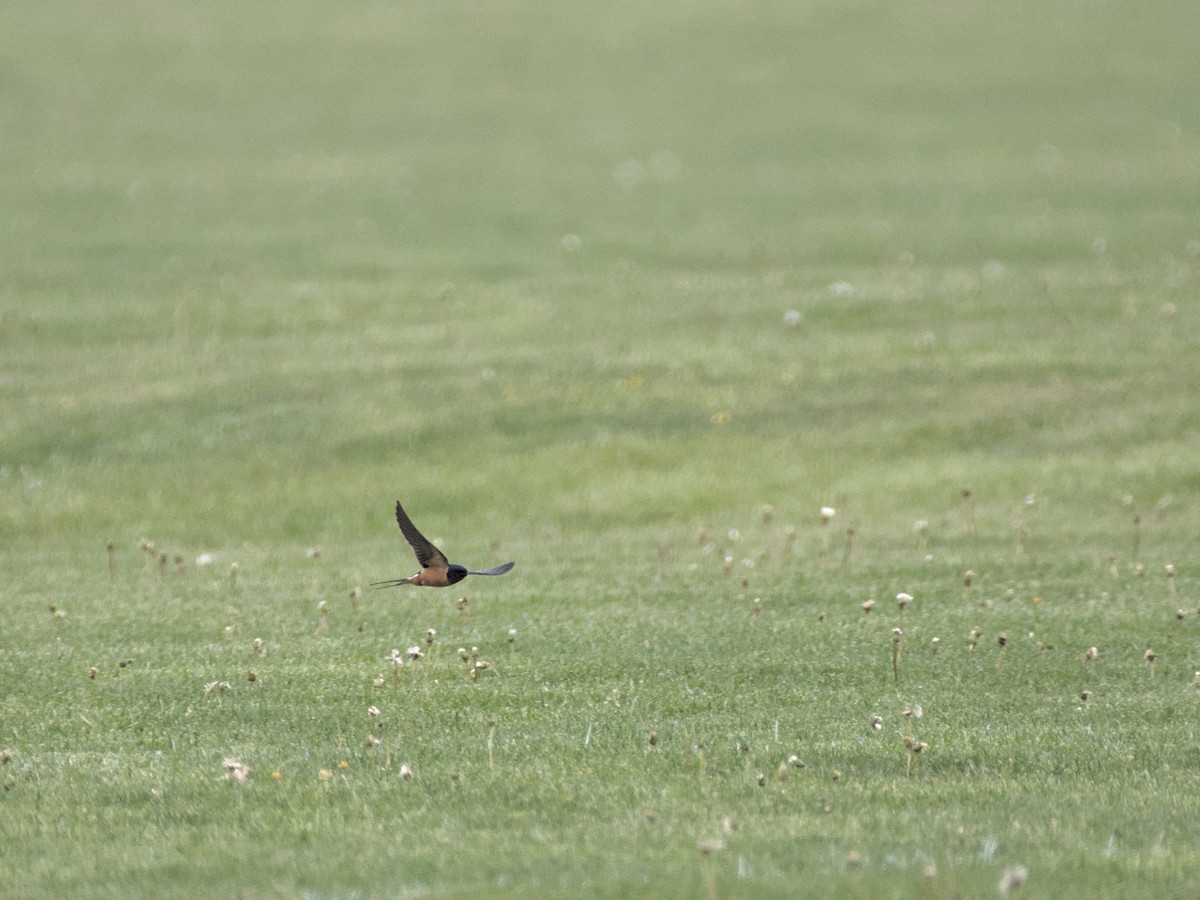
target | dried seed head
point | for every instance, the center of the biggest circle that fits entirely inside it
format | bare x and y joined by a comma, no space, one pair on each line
414,653
378,681
868,605
1150,656
512,635
462,604
903,599
93,672
1170,569
1002,639
1085,696
252,676
430,634
1012,879
897,635
372,711
827,513
481,665
968,577
795,762
463,654
877,723
235,770
1090,654
406,773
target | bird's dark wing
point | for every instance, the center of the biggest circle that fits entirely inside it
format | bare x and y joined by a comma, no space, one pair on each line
428,555
499,570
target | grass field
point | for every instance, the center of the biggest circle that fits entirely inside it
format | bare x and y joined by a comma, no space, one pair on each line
626,293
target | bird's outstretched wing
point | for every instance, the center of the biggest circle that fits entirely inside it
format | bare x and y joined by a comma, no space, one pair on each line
429,556
499,570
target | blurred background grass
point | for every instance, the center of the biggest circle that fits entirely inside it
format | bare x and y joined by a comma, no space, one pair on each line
320,254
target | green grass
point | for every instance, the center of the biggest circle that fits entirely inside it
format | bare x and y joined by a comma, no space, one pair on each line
266,268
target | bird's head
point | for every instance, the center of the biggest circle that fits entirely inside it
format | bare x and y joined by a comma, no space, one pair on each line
455,574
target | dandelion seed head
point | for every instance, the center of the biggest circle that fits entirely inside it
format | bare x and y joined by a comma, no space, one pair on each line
1012,878
235,770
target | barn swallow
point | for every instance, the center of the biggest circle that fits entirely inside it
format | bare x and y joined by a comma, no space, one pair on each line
436,570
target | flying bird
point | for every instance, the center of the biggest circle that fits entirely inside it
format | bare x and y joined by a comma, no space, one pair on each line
436,570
